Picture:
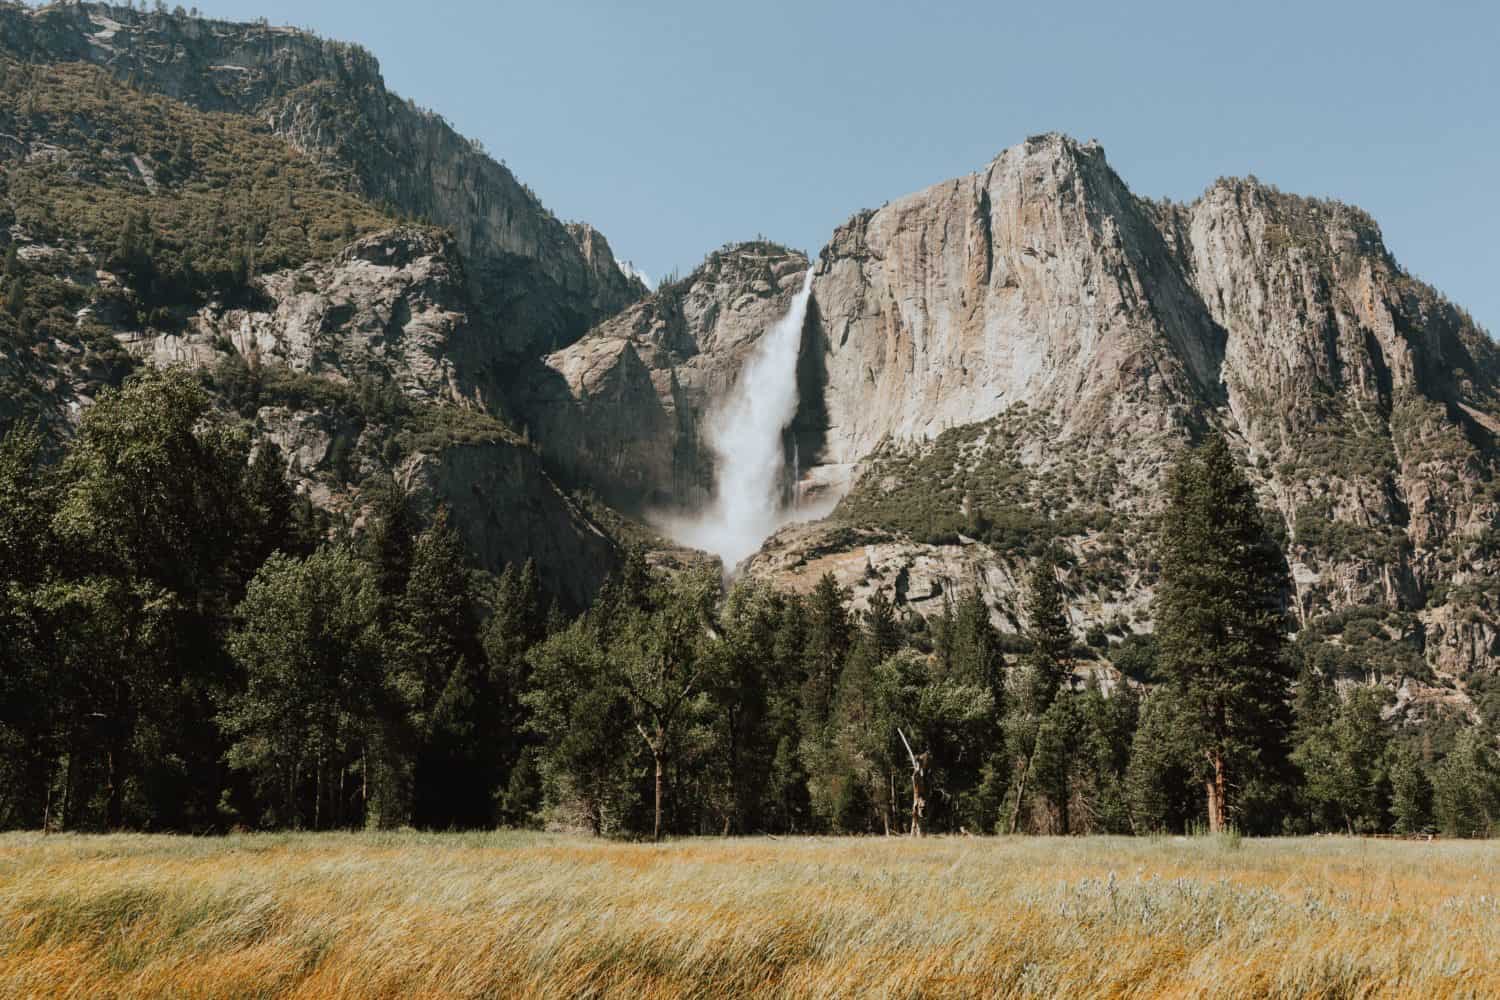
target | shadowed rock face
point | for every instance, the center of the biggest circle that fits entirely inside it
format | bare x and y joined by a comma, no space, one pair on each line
622,410
393,306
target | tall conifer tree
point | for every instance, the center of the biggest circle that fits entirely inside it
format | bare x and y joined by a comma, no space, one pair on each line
1221,624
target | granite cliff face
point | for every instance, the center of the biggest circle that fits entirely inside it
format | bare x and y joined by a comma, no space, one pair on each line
391,304
622,410
1036,317
354,368
1020,353
1039,280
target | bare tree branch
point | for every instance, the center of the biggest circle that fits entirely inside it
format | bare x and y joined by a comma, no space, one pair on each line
908,747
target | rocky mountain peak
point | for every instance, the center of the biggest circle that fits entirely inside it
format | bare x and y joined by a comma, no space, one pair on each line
328,100
1018,353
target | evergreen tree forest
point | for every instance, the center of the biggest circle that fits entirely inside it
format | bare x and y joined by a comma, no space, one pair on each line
187,645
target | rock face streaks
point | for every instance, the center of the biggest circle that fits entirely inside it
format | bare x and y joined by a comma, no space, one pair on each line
1363,403
623,409
1038,280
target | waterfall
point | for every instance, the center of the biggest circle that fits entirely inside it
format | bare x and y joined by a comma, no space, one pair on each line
746,435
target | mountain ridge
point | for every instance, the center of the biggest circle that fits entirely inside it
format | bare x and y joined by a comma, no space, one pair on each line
1050,336
1361,401
329,100
362,341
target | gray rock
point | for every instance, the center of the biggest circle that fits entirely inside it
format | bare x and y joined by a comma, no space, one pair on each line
622,410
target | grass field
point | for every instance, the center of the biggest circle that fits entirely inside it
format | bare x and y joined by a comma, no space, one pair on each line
514,914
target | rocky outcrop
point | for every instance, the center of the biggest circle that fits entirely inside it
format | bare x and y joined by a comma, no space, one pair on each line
1370,397
1363,404
500,498
509,510
923,579
382,355
391,306
538,287
622,410
1040,280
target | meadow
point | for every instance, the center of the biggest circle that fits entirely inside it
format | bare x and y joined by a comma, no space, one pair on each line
523,914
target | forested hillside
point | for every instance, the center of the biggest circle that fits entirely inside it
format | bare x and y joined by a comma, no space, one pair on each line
157,216
1153,517
188,646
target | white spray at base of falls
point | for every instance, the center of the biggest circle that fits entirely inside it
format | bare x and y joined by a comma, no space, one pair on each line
745,434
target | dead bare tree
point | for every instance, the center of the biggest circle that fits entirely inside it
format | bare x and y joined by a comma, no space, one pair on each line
919,765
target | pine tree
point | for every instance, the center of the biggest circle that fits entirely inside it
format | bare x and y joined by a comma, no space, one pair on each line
1049,660
788,806
974,647
881,627
1466,786
1056,759
393,530
971,655
269,502
1163,765
1109,729
435,685
1220,624
517,624
829,636
1411,793
1047,664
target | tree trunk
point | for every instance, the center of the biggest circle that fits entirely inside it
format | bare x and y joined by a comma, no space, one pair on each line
918,794
656,832
658,748
1215,786
1015,812
890,802
65,807
292,803
115,799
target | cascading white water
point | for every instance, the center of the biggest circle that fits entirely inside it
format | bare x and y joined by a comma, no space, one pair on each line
745,434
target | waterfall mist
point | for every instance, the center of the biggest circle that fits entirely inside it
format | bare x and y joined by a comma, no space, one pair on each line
746,434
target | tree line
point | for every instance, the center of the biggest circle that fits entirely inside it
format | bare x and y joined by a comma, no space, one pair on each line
186,644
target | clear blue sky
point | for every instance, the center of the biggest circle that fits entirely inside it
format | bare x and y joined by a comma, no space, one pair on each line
676,126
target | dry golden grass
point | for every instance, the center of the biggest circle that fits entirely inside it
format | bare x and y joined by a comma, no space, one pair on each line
507,915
